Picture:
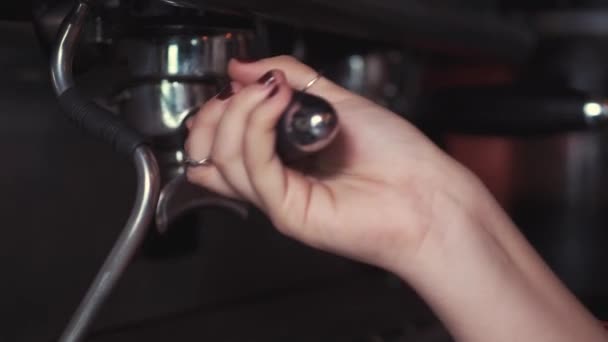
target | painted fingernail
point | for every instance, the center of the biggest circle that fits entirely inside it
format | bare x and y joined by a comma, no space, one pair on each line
225,93
273,92
267,78
245,60
189,122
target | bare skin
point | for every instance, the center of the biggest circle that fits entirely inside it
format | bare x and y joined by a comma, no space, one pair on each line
385,195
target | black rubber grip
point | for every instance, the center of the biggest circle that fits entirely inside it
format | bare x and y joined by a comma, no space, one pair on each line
99,122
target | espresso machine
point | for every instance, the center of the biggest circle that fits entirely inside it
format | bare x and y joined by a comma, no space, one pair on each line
512,90
172,70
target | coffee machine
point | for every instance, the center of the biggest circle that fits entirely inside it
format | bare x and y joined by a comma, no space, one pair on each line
173,68
131,71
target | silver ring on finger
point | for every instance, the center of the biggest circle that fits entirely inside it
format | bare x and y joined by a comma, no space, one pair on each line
190,162
312,82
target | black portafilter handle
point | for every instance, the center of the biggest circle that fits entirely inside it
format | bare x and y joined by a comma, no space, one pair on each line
307,126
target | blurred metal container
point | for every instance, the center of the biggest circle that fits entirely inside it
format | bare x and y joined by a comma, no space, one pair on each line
172,74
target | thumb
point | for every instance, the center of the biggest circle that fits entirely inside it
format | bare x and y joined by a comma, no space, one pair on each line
298,76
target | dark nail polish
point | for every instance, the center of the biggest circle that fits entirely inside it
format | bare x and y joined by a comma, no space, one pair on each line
245,60
225,93
267,78
273,92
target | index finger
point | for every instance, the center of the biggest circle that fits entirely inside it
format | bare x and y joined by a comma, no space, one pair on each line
298,76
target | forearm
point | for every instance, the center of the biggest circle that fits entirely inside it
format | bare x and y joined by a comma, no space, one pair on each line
486,283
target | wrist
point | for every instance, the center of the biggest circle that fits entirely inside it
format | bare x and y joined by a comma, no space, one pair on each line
458,216
482,278
456,237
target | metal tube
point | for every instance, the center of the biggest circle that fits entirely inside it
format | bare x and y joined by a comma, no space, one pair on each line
146,196
124,248
63,56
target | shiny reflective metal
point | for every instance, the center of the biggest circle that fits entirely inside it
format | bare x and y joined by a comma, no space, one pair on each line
172,75
179,197
147,193
124,249
158,110
61,62
178,3
391,79
195,163
308,125
185,56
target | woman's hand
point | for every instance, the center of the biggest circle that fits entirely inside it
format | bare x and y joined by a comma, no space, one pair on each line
384,194
375,194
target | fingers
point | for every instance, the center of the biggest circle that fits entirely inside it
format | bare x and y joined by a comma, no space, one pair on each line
282,192
239,134
298,76
189,122
227,152
199,144
263,167
218,131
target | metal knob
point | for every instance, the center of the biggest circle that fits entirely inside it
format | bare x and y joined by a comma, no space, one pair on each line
308,125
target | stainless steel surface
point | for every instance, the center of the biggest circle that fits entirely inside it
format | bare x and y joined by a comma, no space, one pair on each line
389,78
204,55
179,197
173,74
158,110
195,163
65,48
364,74
308,125
177,3
171,162
127,244
146,196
